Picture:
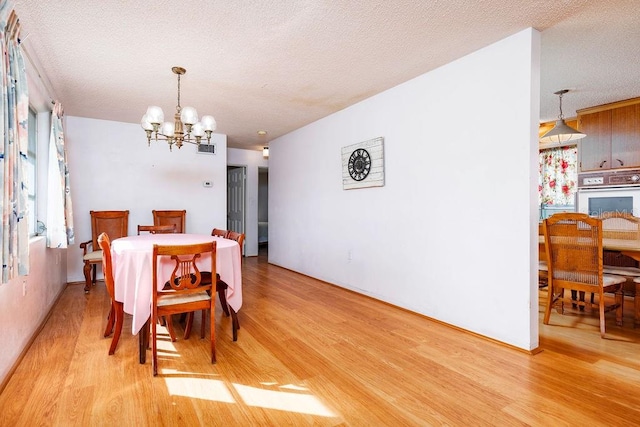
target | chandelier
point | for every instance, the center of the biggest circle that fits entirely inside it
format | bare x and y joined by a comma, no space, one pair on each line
184,128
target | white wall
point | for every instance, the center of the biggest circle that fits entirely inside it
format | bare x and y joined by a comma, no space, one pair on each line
451,234
252,160
112,168
21,314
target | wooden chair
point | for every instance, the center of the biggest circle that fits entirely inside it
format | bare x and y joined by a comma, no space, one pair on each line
573,244
219,232
157,229
623,226
170,217
221,289
116,313
187,293
115,224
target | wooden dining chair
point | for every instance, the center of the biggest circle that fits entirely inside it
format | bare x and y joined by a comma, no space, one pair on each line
116,312
573,244
186,294
625,227
157,229
221,290
170,217
116,225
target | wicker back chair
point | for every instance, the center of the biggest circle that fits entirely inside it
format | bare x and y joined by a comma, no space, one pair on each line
573,243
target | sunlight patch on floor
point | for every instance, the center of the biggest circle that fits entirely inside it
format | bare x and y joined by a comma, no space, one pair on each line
282,400
199,388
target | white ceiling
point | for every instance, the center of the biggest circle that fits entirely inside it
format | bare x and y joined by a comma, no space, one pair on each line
278,65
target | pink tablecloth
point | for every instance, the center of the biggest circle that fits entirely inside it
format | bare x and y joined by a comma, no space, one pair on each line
133,276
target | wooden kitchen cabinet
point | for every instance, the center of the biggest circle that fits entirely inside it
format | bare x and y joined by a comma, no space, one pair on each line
625,136
613,136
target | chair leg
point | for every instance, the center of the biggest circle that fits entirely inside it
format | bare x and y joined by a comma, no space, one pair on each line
169,325
110,321
154,348
212,332
221,288
235,325
119,315
620,305
550,301
601,314
204,318
188,324
636,306
87,276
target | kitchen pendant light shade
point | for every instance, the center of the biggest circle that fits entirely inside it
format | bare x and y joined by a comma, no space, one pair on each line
561,132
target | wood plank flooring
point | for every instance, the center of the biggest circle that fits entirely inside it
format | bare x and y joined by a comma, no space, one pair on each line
312,354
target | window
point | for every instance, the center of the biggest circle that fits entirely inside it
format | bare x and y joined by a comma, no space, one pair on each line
558,176
31,172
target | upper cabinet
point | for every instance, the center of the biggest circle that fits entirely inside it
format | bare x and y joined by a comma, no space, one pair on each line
613,136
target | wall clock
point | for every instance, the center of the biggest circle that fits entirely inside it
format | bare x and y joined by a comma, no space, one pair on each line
363,164
359,164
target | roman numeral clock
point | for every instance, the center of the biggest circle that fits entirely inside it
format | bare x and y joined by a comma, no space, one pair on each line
363,164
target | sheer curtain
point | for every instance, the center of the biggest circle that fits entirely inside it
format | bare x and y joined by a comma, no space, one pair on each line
558,175
14,116
59,212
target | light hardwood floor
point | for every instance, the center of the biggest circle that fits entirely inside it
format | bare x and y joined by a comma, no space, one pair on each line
312,354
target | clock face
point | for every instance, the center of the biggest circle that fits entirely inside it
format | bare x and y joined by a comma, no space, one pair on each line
359,164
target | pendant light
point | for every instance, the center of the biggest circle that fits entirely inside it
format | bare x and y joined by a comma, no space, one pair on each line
561,132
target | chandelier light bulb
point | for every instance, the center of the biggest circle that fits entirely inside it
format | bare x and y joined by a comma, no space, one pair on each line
189,115
168,129
155,116
208,123
145,123
197,130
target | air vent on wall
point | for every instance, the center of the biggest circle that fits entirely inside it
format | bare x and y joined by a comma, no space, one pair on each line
207,149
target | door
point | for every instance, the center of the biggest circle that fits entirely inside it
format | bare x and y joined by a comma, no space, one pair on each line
235,198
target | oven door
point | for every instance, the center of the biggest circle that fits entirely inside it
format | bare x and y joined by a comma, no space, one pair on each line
595,201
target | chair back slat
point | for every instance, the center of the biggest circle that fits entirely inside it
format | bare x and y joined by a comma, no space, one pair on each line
158,229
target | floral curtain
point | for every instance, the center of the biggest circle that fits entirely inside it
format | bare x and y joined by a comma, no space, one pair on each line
14,116
558,175
59,213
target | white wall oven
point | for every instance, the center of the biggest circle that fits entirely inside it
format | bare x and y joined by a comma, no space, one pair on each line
609,191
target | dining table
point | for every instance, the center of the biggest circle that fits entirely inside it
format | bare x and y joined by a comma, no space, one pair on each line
132,268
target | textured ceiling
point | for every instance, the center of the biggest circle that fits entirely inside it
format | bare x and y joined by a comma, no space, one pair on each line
278,65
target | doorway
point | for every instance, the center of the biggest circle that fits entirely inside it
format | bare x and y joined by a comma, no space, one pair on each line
236,182
263,211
